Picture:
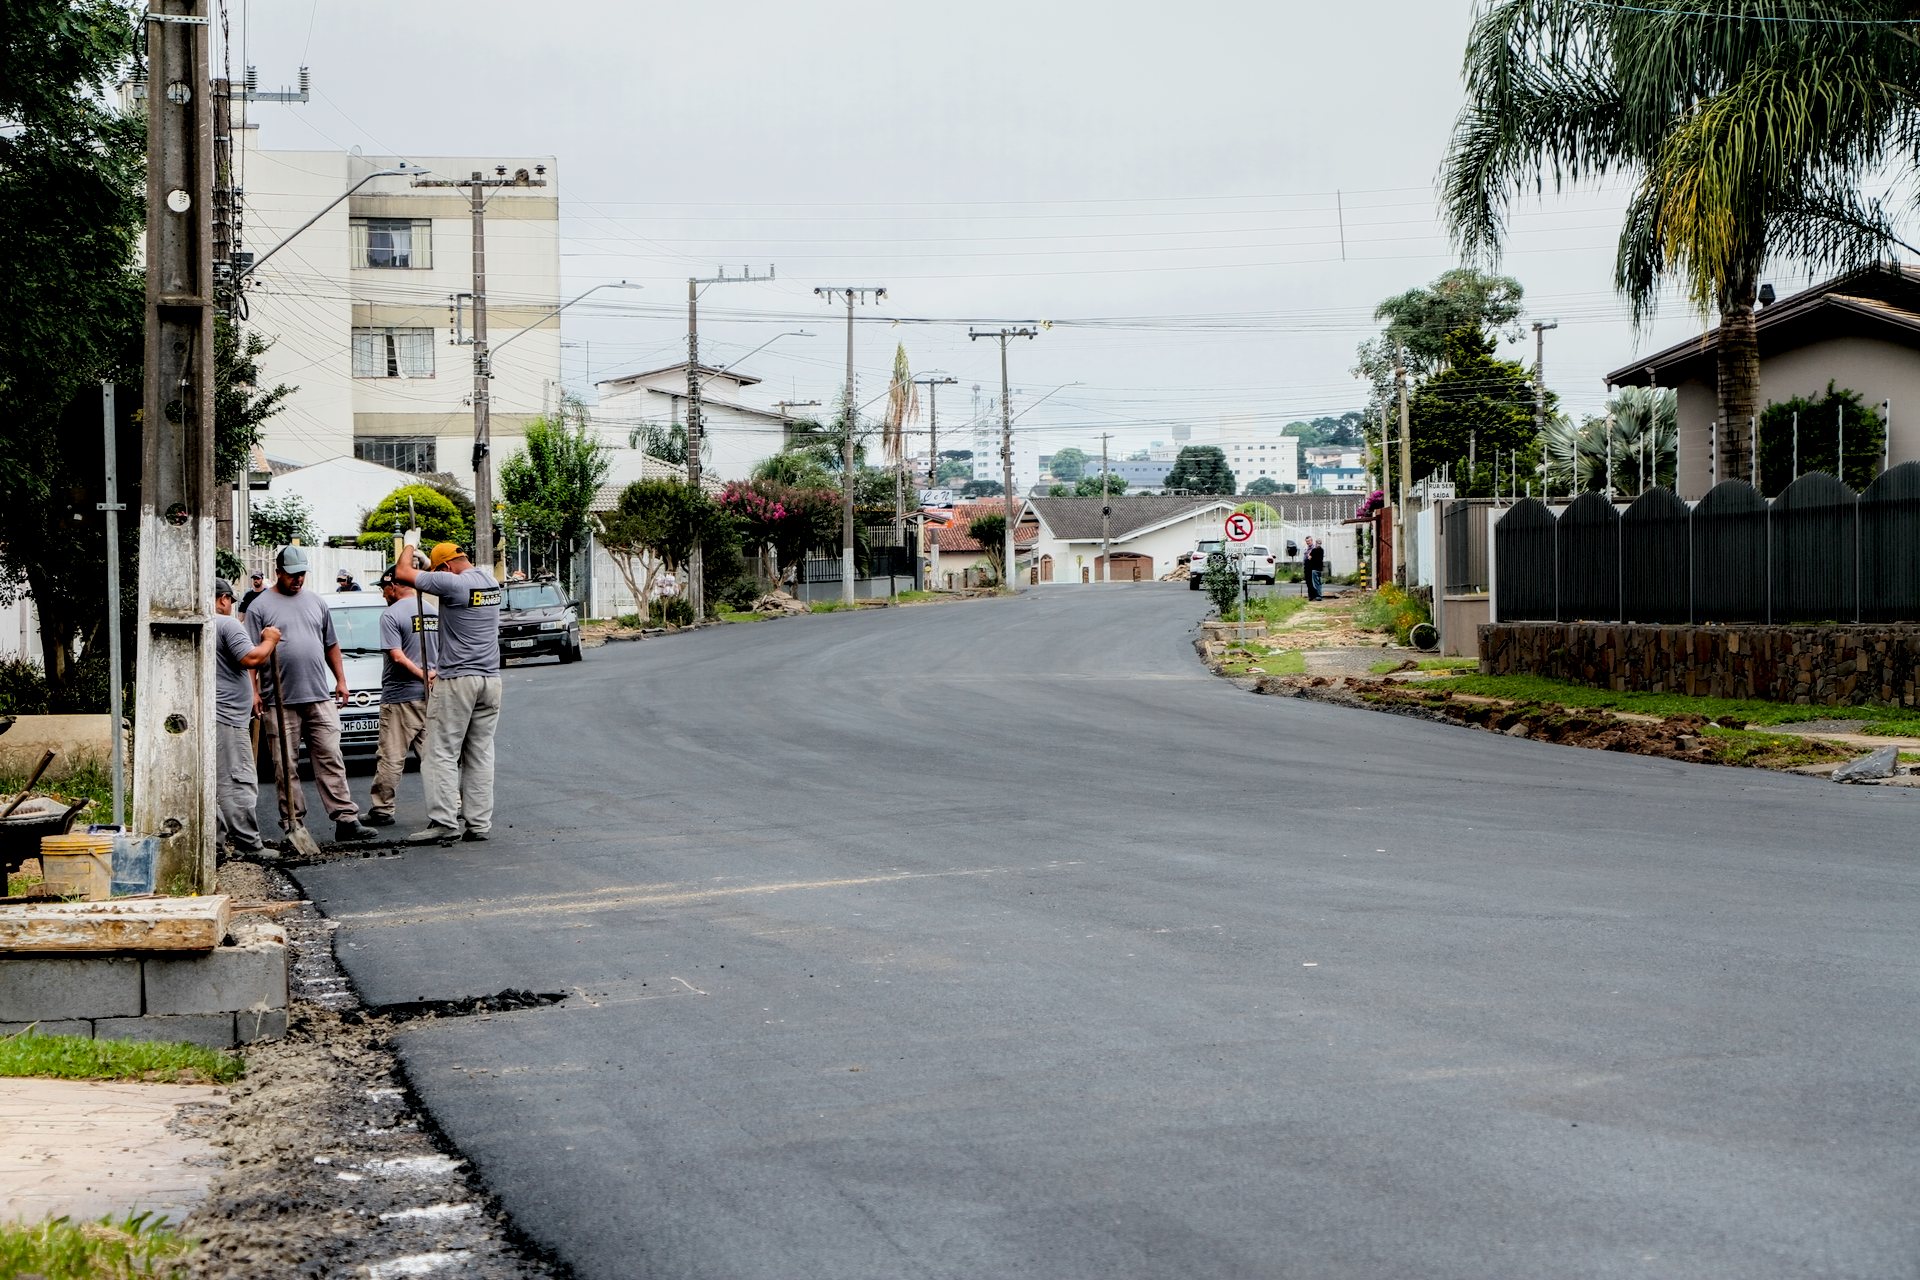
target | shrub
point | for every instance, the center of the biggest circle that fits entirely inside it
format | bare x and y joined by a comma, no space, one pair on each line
1391,609
229,566
23,688
674,612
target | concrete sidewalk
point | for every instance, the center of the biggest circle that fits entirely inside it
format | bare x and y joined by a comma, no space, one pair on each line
86,1149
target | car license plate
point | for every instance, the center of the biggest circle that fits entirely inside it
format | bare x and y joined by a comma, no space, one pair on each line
361,725
520,644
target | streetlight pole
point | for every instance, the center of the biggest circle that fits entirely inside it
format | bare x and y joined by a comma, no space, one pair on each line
854,292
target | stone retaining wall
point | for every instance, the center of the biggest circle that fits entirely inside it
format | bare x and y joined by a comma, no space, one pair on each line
1819,666
230,996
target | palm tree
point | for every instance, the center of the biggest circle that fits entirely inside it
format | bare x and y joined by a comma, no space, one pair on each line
1747,134
1637,438
903,406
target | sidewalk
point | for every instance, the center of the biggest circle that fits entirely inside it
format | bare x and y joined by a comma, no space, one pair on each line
87,1149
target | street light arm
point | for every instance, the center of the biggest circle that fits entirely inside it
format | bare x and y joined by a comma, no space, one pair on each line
791,333
1043,399
611,284
405,170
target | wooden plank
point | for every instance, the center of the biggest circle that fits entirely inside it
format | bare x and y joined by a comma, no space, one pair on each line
132,924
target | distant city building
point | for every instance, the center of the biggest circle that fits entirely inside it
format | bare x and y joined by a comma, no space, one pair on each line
736,434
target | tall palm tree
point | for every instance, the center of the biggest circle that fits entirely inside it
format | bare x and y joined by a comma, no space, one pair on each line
1637,438
903,406
1747,127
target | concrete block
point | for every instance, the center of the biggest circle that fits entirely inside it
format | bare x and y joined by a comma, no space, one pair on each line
254,1025
214,1030
43,988
66,1027
224,979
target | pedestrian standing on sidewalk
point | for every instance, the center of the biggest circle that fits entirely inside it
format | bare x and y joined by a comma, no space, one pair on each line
309,653
1316,567
235,658
408,627
463,703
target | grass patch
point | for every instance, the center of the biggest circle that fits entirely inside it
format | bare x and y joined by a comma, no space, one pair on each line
916,597
1732,712
1241,660
1428,664
27,1053
90,780
110,1249
739,615
1272,610
830,606
1766,750
1390,609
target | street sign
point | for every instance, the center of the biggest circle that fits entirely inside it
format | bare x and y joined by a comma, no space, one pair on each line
1239,527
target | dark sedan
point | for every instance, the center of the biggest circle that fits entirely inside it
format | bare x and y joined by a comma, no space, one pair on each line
536,621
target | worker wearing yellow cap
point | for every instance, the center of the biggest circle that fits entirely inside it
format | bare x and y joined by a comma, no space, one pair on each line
463,701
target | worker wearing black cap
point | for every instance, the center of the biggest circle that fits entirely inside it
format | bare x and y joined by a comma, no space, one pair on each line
235,658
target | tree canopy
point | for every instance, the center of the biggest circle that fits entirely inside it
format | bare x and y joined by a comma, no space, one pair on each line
1823,423
1201,468
990,531
278,521
655,525
1068,464
1476,406
438,519
548,486
1263,485
981,489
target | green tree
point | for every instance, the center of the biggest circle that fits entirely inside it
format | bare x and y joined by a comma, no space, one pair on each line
990,531
1418,323
1262,486
655,525
72,203
549,485
1069,464
1643,427
444,484
981,489
240,404
1089,486
436,516
1746,137
1475,405
278,521
1823,421
1201,468
667,443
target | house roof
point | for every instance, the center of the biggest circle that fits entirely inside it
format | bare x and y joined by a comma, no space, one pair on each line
1879,302
953,537
607,496
1078,519
742,379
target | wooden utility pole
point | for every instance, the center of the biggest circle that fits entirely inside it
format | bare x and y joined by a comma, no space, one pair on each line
854,292
477,187
1006,438
173,746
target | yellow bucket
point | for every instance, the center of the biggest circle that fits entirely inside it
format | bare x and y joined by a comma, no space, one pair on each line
77,866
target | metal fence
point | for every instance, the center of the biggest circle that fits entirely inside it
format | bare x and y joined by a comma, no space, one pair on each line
1465,536
1816,553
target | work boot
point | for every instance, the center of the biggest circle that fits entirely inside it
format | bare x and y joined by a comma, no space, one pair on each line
350,828
471,834
434,834
379,819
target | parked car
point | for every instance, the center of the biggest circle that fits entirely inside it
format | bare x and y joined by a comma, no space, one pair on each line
356,625
536,621
1256,561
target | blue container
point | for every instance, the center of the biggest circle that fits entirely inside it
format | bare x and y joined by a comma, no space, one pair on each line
133,862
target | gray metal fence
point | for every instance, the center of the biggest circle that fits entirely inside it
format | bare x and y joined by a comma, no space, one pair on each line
1817,553
1465,525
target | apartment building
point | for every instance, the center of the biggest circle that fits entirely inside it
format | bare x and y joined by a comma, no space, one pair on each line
366,309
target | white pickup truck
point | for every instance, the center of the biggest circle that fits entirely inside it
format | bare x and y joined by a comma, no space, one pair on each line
1256,562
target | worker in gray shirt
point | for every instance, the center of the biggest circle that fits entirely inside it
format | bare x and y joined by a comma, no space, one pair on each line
309,653
463,702
408,629
235,658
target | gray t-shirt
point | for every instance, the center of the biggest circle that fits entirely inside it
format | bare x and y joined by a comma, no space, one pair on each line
306,633
232,683
401,625
469,640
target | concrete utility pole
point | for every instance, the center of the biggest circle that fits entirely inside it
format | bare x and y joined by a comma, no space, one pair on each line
696,564
933,383
173,745
1006,436
1406,469
1106,516
478,185
1540,373
854,292
1382,566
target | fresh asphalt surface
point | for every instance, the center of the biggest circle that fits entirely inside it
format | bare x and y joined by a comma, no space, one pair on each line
999,939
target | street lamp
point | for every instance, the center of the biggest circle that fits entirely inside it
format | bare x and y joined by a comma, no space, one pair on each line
611,284
791,333
402,170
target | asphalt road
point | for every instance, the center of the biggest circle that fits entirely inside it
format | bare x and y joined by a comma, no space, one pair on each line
999,939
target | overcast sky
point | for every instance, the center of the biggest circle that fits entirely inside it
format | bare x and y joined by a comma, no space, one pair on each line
1055,160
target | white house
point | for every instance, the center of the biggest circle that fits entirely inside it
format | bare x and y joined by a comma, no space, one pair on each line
1148,532
359,306
735,434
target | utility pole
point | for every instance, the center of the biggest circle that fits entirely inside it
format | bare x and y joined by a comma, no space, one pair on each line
853,292
1106,516
478,185
1006,436
1406,469
1540,374
173,746
1382,569
696,564
933,384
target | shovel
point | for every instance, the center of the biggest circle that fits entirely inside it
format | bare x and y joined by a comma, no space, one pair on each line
297,835
27,790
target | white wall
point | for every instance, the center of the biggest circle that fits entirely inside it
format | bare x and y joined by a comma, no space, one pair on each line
340,491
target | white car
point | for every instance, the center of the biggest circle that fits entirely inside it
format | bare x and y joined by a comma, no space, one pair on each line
1256,562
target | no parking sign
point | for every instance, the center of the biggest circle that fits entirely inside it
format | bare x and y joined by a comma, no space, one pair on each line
1239,527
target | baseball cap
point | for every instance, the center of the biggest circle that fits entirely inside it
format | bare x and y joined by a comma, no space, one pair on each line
292,560
221,587
387,577
342,576
441,553
257,575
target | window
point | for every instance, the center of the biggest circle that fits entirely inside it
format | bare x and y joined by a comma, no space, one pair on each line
412,454
393,353
393,242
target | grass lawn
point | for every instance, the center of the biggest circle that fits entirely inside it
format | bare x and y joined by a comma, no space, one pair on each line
1428,664
739,615
829,606
89,782
1273,610
1276,662
28,1053
917,597
110,1249
1769,750
1893,721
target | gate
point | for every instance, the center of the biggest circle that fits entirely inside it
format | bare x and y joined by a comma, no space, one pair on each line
1890,546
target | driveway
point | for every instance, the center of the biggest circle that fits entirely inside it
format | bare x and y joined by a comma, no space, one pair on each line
998,939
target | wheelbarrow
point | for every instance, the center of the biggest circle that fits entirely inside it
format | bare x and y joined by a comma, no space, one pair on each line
21,830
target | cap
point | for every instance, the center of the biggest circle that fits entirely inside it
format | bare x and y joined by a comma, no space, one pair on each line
221,587
292,560
257,575
441,553
342,576
387,577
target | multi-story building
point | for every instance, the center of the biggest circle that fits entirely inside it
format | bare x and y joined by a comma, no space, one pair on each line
361,306
1255,450
735,435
